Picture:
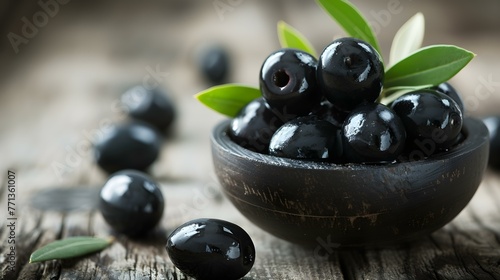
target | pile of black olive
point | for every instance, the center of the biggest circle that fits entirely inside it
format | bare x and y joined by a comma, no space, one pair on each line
328,110
136,144
132,203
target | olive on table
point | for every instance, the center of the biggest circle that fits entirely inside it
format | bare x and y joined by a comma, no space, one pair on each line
214,64
131,202
211,249
153,106
134,145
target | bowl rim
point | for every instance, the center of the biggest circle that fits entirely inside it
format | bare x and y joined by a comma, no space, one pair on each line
475,132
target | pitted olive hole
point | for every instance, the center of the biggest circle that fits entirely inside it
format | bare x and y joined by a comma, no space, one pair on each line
281,78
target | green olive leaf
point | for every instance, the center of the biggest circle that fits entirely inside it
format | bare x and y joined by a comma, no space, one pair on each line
69,248
408,39
431,65
228,99
351,20
290,37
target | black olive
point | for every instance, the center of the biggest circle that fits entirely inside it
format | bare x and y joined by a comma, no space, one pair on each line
133,145
307,138
211,249
131,202
254,126
150,105
373,133
430,117
214,64
447,89
350,72
288,82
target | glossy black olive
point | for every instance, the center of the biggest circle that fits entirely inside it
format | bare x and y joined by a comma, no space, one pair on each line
131,202
214,64
447,89
493,125
306,138
288,81
151,106
431,117
211,249
350,72
373,133
254,126
134,145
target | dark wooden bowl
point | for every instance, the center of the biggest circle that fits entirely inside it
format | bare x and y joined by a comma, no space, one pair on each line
353,204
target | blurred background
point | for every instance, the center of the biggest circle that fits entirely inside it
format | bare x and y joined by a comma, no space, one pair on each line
65,63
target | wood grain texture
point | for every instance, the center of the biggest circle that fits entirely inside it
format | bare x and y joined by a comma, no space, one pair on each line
61,90
467,248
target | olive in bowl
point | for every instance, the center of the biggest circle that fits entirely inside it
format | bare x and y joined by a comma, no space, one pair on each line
351,204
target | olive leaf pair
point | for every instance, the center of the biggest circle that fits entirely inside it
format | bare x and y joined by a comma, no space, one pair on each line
411,67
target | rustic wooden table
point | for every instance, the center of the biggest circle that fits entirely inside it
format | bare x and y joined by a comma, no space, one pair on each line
62,89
